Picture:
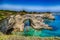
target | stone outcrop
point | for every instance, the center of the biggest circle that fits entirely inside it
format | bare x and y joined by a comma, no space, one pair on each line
17,22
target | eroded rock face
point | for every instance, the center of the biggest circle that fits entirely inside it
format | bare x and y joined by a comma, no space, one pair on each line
37,20
17,22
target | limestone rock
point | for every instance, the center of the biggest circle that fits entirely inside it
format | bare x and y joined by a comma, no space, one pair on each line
17,21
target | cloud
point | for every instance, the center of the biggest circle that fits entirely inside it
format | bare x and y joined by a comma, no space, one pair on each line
31,8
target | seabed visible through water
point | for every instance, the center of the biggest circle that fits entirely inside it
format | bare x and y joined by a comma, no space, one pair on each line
55,32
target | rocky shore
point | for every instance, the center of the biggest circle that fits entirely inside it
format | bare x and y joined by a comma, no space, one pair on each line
16,22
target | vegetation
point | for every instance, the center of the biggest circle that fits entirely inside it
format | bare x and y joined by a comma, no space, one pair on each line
14,37
6,13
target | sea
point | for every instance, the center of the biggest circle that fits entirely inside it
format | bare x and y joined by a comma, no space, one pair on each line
55,32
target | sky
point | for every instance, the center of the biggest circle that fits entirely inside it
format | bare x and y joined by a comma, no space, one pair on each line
31,5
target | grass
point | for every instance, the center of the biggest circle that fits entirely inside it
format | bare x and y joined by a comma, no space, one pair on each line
15,37
19,36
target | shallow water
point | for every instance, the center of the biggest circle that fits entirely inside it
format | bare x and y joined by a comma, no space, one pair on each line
55,24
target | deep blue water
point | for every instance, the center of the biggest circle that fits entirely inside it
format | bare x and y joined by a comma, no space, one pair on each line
55,24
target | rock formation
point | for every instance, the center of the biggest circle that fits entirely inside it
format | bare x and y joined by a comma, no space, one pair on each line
17,22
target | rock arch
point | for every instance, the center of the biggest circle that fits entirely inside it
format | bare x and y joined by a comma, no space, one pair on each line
36,23
17,22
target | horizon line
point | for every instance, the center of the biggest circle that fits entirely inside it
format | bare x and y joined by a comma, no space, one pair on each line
30,8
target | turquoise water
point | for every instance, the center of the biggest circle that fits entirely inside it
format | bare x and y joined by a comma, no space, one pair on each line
55,24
